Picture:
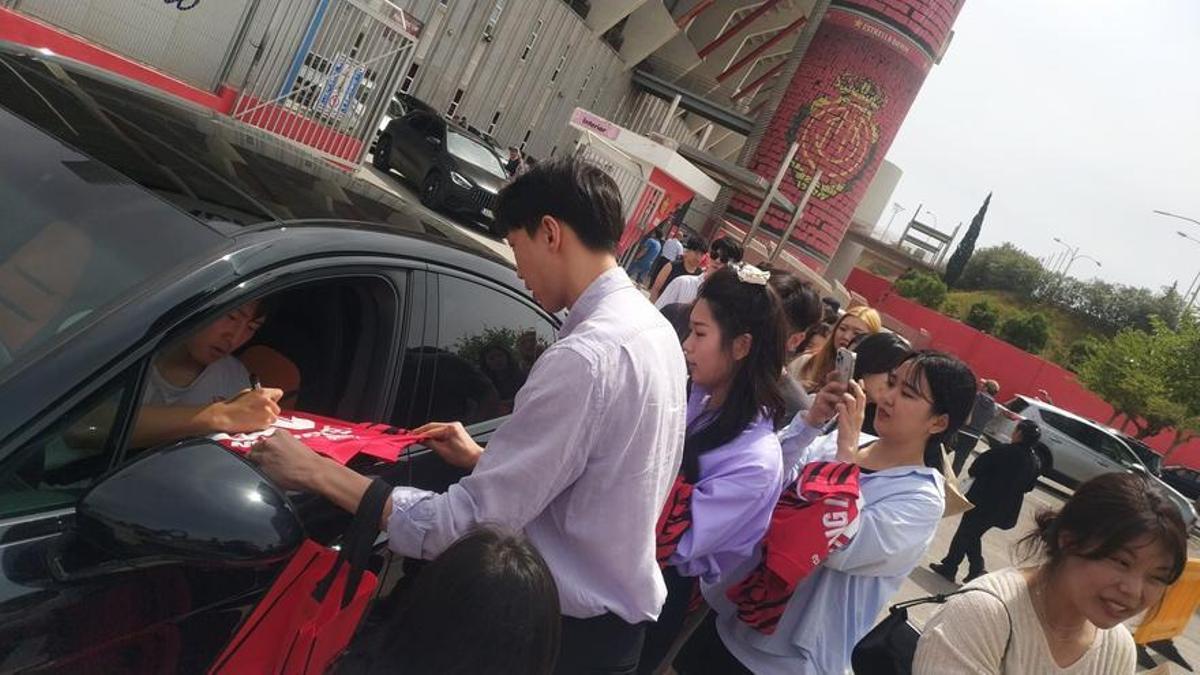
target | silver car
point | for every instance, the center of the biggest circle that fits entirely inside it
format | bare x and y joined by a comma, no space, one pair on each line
1074,449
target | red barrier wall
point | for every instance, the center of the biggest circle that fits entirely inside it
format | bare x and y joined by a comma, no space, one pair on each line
1017,371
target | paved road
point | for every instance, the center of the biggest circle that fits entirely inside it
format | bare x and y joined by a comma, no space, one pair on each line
998,551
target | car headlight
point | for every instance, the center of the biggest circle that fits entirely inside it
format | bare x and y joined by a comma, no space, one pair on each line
460,180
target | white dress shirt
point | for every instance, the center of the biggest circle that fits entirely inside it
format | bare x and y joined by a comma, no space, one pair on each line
585,462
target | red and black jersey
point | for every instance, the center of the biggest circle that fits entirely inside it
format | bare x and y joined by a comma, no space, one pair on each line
816,515
675,519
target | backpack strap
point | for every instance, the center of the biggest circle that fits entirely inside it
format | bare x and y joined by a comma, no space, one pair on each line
941,598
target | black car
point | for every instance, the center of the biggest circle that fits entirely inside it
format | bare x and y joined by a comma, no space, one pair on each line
451,167
131,219
1186,480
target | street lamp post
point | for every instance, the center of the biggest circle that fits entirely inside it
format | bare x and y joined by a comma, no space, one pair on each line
1194,289
897,209
1176,215
1058,258
1074,255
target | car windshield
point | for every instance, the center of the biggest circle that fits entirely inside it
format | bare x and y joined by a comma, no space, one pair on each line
474,152
77,237
1146,454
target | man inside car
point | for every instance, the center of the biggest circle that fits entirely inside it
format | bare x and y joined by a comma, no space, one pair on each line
197,387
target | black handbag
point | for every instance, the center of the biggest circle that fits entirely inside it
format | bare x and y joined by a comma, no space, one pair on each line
891,646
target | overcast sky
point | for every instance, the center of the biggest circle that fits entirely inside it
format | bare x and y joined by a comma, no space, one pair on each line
1082,116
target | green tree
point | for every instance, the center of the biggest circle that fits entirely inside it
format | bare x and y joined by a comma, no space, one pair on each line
1151,377
1004,268
1080,351
1029,331
966,247
982,316
926,289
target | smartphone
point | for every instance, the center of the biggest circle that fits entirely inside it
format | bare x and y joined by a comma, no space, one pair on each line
844,365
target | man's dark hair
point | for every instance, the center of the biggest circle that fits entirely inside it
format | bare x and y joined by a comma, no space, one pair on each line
726,249
571,190
695,242
801,303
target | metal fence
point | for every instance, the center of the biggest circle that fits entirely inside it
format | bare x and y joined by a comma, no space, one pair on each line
324,79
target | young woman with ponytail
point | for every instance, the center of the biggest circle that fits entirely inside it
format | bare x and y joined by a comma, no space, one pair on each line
896,503
732,465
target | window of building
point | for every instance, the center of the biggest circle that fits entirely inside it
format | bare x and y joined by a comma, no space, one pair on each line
489,31
454,103
494,122
562,62
532,40
410,77
528,133
586,80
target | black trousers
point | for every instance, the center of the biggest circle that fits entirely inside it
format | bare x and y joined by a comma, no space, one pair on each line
964,443
661,634
706,654
968,542
601,645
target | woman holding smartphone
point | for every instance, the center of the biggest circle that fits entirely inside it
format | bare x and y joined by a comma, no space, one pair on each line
900,483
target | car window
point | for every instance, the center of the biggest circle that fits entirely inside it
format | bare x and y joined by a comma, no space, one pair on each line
1115,450
77,237
1017,404
54,469
474,152
485,344
1074,428
421,122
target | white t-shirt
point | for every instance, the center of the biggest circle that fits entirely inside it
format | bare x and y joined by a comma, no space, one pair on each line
682,289
671,249
968,636
221,380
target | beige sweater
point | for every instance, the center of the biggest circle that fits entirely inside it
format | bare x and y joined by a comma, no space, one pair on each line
968,636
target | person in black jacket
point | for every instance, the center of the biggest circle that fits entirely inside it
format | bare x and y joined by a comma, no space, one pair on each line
1002,477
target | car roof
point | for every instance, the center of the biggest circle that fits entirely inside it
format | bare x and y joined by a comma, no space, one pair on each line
1040,404
223,173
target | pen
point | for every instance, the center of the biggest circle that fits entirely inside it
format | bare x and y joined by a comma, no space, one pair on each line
255,383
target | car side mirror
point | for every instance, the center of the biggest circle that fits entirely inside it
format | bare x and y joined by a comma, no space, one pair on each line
193,502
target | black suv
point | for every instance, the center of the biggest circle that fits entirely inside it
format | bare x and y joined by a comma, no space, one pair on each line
453,168
131,219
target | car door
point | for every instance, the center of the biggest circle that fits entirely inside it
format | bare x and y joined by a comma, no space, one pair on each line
409,133
1069,457
67,607
477,345
428,147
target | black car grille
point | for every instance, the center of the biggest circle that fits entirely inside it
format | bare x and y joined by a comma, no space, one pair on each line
482,199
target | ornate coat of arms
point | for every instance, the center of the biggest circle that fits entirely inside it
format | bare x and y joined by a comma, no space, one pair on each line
837,135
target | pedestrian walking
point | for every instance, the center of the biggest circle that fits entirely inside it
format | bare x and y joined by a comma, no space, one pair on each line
689,262
1000,479
1105,557
639,269
672,248
595,440
981,415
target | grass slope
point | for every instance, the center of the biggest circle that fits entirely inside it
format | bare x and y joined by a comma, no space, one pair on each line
1065,329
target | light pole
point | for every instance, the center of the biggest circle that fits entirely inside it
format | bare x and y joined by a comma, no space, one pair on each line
1058,258
1194,288
1176,215
1074,255
897,209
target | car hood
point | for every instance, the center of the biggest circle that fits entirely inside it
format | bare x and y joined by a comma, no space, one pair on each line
478,175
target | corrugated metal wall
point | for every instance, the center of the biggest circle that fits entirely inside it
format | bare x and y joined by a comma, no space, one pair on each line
494,78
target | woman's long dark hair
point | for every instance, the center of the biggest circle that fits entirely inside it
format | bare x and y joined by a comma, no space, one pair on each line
877,354
487,605
741,308
951,392
1106,514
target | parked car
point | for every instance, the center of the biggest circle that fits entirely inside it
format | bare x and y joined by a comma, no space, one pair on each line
130,220
450,166
1184,479
1148,455
399,106
1074,449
